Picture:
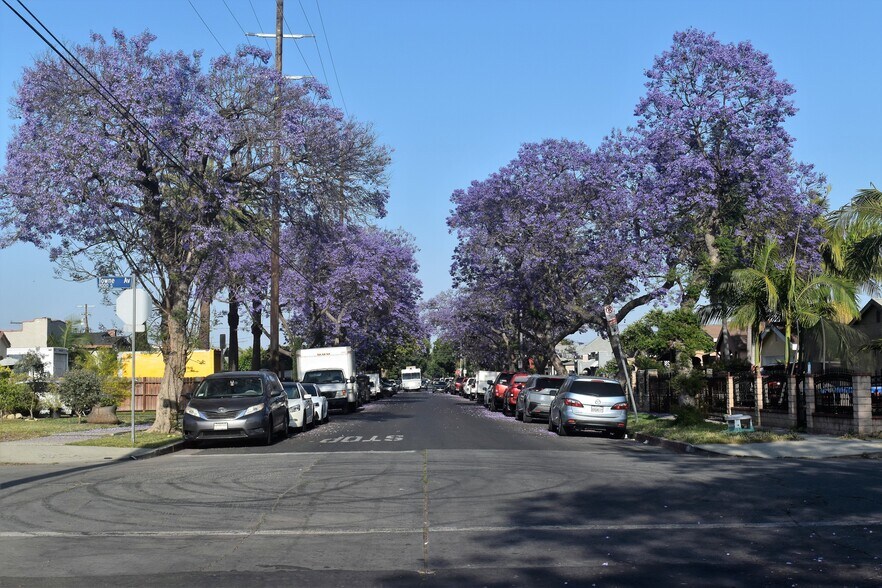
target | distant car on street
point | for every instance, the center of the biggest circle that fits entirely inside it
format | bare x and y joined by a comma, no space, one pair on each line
300,407
319,403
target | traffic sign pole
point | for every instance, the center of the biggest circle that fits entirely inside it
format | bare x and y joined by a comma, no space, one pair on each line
134,332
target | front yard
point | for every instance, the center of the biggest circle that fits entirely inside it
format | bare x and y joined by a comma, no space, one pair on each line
20,429
698,434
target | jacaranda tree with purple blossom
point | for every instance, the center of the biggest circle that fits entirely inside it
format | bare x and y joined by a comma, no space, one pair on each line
171,185
351,285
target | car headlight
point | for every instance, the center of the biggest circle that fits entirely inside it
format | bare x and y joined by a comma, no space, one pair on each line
294,407
252,409
192,412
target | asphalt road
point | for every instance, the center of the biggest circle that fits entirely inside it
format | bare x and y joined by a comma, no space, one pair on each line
433,490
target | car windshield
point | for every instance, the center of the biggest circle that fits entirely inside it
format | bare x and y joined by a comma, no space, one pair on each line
229,387
310,389
292,391
324,377
597,388
415,376
504,379
543,383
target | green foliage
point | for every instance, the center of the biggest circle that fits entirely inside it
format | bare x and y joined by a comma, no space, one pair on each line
36,379
80,390
609,370
105,363
442,359
15,395
642,362
413,352
73,339
689,383
666,335
687,416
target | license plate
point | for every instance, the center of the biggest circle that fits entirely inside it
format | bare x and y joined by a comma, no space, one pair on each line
220,426
596,409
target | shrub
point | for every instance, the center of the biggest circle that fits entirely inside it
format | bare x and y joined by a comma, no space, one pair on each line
15,396
81,390
687,416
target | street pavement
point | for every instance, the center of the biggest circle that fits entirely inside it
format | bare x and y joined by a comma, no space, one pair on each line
432,490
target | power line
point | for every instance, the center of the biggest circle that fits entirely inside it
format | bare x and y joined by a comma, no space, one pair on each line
241,28
315,40
207,27
259,26
331,55
299,50
105,94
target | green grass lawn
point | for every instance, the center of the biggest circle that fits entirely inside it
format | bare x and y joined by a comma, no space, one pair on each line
702,433
142,440
17,430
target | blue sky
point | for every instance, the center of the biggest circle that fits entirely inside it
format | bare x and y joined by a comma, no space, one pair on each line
454,87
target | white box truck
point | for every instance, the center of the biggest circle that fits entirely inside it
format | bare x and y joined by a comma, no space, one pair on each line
332,370
481,384
411,378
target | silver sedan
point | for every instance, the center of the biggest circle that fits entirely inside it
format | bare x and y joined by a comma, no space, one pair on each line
534,401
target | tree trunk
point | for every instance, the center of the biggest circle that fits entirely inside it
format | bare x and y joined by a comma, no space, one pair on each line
621,361
559,368
204,339
174,353
724,335
256,332
233,323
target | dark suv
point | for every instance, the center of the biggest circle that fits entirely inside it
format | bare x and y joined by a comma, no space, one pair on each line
237,405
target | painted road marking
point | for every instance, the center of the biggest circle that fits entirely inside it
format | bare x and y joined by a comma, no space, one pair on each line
360,439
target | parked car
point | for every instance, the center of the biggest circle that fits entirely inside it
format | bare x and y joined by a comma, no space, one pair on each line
483,380
319,403
510,397
497,390
300,407
388,387
535,398
237,405
439,386
468,388
586,403
458,384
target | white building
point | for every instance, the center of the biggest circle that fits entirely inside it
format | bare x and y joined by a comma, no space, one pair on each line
55,359
582,357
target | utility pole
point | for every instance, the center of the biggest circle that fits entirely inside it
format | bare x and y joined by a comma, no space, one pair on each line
275,269
85,308
275,214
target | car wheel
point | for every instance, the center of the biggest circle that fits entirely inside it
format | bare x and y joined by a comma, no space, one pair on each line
492,405
327,417
526,417
268,439
550,423
562,429
617,434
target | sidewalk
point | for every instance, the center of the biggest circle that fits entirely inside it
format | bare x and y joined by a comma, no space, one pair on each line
808,447
54,449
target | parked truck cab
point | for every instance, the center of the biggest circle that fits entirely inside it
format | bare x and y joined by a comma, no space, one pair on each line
332,370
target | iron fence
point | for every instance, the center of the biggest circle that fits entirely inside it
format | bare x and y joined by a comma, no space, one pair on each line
876,395
715,395
661,397
745,390
834,394
775,393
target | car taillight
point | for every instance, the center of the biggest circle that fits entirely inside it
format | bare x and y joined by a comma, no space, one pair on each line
620,406
571,402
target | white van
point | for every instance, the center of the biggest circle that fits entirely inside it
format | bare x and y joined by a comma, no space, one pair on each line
411,378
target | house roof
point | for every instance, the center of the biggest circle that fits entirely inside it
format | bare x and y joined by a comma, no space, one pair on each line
713,330
4,339
872,304
106,339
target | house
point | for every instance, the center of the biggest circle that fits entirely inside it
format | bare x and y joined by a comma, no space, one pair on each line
583,358
55,359
4,345
36,333
110,339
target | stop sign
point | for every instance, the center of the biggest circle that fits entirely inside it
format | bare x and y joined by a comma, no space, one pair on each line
142,306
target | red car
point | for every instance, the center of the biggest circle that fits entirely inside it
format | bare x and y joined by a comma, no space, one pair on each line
458,384
510,398
497,389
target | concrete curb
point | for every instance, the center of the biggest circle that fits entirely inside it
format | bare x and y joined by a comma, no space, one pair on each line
158,451
676,446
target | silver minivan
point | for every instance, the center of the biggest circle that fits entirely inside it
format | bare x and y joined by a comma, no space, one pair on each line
237,405
586,403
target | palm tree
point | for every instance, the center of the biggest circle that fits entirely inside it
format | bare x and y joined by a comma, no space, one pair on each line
775,289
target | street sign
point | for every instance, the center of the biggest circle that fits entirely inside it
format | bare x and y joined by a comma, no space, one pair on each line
610,312
142,305
114,282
